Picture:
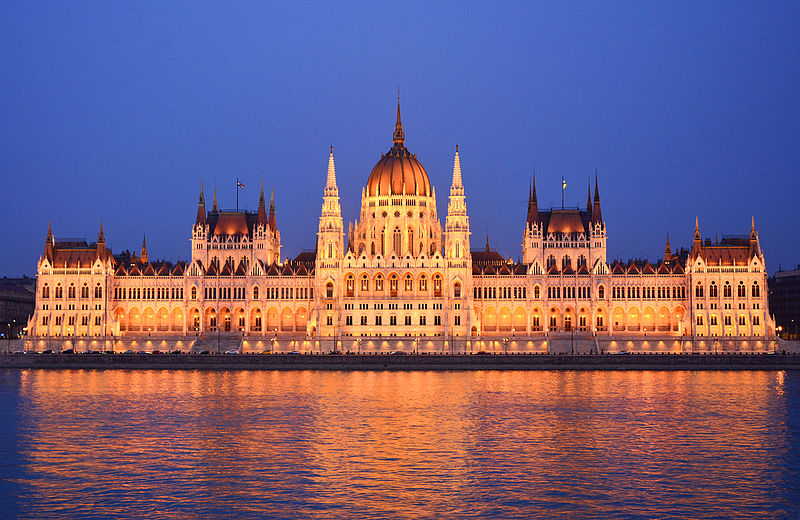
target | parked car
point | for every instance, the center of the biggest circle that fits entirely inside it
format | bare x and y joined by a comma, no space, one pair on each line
48,351
481,353
176,351
266,352
129,352
156,352
205,352
68,351
397,353
232,351
91,352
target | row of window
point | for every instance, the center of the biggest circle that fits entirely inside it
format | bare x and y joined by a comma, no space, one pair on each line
71,291
148,293
727,290
70,320
727,320
675,292
394,281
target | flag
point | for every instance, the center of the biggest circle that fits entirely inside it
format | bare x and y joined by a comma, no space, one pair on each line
239,184
563,183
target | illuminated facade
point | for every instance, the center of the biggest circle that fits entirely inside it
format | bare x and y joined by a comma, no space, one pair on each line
398,276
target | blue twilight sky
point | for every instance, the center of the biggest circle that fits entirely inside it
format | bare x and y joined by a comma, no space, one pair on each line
114,110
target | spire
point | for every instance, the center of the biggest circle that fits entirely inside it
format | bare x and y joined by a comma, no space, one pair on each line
399,137
261,219
214,208
533,206
201,207
457,183
330,184
487,241
667,251
597,214
589,198
273,225
143,256
101,243
754,247
49,242
697,242
697,237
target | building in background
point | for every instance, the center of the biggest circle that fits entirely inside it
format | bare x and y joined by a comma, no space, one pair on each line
784,302
397,279
17,305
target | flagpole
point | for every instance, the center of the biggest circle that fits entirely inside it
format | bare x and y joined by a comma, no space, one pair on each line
562,193
237,194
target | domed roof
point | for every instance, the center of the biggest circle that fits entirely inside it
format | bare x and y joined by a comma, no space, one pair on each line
398,172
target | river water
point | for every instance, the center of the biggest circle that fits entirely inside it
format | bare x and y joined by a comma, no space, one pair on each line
484,444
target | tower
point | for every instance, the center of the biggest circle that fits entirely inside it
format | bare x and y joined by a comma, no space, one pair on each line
459,259
330,251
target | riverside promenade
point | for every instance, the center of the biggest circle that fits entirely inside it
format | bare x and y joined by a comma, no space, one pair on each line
184,361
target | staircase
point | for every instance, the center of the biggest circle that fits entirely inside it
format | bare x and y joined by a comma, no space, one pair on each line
217,343
567,343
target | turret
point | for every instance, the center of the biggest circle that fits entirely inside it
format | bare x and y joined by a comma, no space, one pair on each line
214,208
457,222
261,219
49,243
597,216
201,208
143,256
755,247
697,242
533,206
101,243
273,224
667,251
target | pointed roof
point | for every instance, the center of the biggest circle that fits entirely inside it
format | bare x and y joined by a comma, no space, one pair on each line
100,236
330,183
533,206
241,270
261,218
143,256
597,215
273,225
214,208
399,137
589,198
457,183
667,251
201,207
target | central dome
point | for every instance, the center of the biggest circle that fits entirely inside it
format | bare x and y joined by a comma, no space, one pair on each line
398,172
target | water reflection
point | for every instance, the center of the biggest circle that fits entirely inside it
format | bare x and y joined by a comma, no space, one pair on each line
403,444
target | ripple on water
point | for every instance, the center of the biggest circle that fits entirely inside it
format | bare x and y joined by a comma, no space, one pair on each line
310,444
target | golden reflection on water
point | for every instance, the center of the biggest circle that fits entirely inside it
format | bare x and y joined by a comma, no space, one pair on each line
403,444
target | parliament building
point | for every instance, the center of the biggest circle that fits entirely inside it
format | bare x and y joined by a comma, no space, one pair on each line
401,279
